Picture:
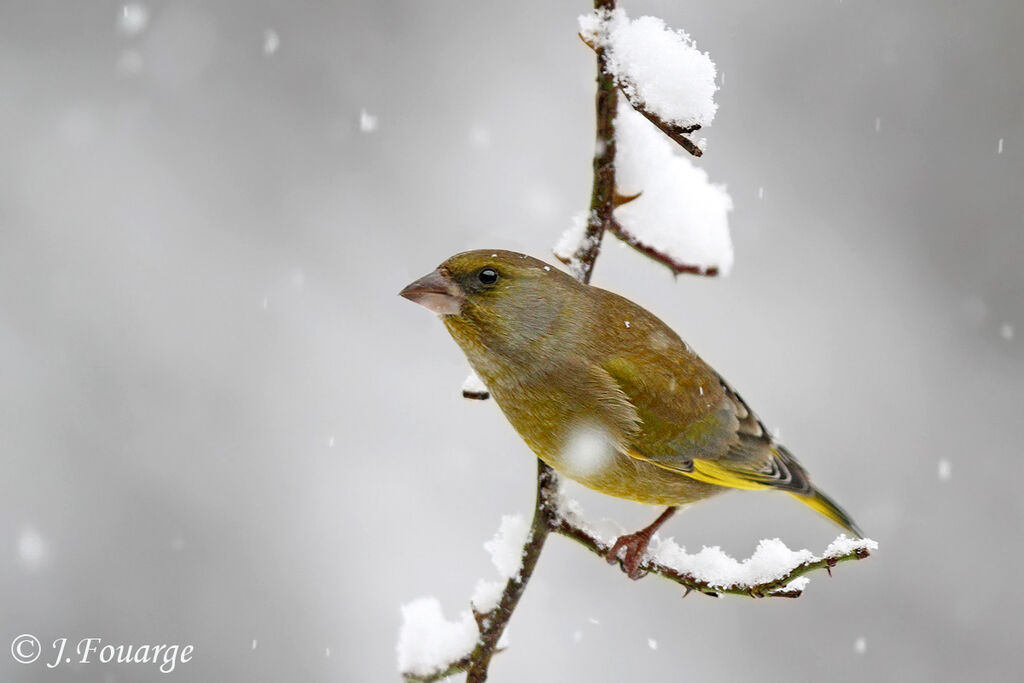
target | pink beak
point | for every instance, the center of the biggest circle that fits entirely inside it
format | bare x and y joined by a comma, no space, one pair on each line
436,292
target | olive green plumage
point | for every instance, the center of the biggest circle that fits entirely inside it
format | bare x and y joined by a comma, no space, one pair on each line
602,390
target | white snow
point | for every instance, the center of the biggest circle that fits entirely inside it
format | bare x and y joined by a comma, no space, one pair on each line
271,41
427,642
588,450
771,561
878,124
32,550
486,595
573,240
652,643
798,584
367,121
473,385
860,646
506,548
571,511
132,19
253,644
999,147
577,636
945,470
844,545
679,212
1006,331
655,65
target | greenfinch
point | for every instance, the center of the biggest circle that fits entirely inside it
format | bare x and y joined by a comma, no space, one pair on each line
606,393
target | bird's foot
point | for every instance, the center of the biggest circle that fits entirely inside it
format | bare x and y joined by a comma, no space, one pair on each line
635,546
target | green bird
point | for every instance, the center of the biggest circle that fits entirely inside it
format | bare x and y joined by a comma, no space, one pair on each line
606,393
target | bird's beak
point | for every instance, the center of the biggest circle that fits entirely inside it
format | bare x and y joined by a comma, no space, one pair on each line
436,292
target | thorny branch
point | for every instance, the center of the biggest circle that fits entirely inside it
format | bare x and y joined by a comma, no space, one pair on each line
672,264
678,134
603,195
546,516
602,203
769,589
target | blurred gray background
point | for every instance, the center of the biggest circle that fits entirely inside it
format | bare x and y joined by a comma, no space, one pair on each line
220,426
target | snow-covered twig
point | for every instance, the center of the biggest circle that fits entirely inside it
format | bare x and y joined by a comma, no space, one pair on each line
602,197
492,622
474,387
432,648
659,71
663,258
773,570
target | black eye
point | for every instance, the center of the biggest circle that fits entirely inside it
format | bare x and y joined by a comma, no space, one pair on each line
488,276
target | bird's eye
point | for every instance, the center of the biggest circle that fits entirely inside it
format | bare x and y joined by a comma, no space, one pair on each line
488,276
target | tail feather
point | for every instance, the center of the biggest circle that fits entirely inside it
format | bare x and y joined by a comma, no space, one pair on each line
818,501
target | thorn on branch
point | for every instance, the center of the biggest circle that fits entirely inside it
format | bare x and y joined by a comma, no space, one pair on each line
775,588
619,199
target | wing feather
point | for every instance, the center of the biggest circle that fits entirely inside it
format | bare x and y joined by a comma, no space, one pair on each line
710,435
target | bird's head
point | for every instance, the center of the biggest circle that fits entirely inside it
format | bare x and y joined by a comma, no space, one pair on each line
498,297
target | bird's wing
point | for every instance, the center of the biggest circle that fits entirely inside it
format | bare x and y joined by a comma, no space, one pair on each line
695,424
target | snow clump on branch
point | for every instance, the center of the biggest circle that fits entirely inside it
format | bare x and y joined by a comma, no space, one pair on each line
679,214
658,68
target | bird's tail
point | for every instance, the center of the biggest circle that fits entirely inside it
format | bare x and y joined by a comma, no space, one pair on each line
818,501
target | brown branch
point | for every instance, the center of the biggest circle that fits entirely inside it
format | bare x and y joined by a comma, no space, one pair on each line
674,265
602,204
549,518
493,623
774,588
602,197
675,132
546,516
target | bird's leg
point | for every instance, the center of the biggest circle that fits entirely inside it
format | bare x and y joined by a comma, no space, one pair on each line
636,545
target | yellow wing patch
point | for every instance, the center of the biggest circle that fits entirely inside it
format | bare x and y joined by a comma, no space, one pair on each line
707,471
712,472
